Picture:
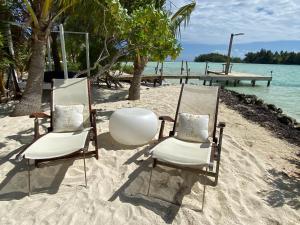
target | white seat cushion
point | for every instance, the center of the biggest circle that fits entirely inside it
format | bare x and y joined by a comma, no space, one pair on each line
183,153
54,145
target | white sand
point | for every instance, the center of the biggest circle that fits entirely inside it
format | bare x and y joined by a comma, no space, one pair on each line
254,185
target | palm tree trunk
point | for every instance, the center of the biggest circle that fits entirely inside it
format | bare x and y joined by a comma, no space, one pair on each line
135,86
31,99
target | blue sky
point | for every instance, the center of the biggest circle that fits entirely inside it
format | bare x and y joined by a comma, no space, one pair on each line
269,24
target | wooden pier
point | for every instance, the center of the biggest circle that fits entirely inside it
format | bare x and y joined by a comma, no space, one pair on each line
235,77
209,79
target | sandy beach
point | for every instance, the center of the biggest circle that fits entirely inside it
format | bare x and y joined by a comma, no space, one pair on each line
258,184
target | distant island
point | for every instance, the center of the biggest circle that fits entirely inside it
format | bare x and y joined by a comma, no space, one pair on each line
261,57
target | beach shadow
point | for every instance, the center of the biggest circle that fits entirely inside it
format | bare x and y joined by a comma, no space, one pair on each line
285,190
6,108
106,141
114,95
23,137
105,115
2,145
45,179
167,190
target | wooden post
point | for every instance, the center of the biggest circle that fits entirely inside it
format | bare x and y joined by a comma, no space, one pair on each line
49,54
269,82
206,68
187,72
210,82
63,50
228,56
181,80
161,73
234,83
204,82
156,68
226,83
253,83
87,50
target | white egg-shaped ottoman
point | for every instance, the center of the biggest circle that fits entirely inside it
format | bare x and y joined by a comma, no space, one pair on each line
133,126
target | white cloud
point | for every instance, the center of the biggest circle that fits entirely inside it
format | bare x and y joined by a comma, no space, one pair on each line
261,20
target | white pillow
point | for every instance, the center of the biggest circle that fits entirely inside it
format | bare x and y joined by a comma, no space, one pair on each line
193,127
68,118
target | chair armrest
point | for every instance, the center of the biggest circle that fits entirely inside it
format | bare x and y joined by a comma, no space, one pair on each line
93,119
221,125
162,126
39,115
93,111
166,118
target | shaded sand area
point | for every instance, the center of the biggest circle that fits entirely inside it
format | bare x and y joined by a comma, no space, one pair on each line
258,181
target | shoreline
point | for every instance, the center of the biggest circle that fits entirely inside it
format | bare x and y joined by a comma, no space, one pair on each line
266,115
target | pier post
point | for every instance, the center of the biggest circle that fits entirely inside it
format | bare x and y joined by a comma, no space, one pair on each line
234,83
269,82
187,72
226,82
253,83
180,80
210,82
161,73
204,82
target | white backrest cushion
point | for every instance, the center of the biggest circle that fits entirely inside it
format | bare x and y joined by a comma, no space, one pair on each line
72,91
193,127
68,118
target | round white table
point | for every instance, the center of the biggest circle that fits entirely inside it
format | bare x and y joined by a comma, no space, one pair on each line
133,126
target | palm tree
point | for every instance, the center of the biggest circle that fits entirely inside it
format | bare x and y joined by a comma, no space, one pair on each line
42,14
179,18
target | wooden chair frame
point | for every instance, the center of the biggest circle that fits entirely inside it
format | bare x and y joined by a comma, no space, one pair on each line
216,145
81,153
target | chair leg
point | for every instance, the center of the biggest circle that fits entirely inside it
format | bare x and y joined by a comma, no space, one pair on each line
84,169
28,167
204,189
153,164
96,144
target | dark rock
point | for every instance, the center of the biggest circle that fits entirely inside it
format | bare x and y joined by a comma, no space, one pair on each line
259,102
247,100
297,126
286,119
272,107
264,107
279,110
250,99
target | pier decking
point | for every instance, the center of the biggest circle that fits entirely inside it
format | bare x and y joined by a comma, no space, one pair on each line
210,78
235,77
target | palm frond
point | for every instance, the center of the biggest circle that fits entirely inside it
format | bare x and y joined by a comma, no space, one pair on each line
182,15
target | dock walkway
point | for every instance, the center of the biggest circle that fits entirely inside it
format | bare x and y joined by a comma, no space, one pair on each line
211,77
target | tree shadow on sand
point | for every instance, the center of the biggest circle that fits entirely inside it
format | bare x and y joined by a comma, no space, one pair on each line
285,190
112,96
169,190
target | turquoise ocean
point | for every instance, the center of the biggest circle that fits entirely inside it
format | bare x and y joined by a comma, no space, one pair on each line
284,91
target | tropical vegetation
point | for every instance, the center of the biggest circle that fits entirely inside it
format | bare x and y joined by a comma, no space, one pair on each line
263,57
215,57
119,30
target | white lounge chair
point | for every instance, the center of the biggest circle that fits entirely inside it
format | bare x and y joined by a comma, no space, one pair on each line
62,145
196,156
